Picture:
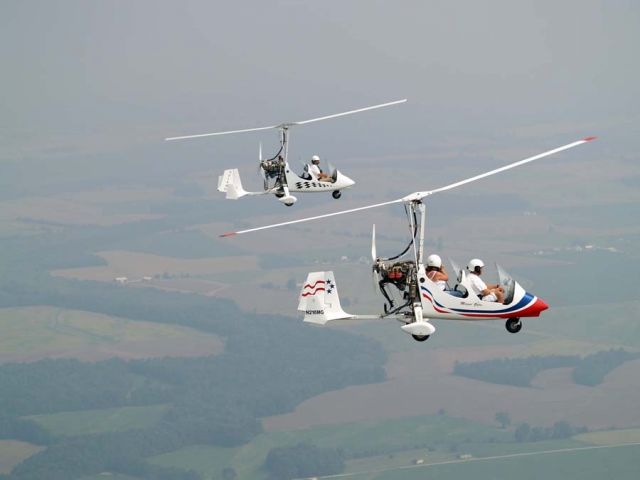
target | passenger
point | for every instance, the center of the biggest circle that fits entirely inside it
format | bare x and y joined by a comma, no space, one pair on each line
438,275
488,293
316,171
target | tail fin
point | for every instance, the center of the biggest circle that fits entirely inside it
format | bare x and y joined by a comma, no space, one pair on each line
229,183
319,299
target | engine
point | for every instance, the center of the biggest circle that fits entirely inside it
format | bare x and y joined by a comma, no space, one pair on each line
403,276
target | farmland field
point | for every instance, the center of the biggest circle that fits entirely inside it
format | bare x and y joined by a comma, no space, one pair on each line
31,333
100,421
13,452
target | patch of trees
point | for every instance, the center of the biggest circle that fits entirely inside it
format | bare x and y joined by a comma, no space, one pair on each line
588,370
526,433
12,428
512,371
303,460
592,369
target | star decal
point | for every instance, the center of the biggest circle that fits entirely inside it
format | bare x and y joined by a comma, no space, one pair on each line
330,285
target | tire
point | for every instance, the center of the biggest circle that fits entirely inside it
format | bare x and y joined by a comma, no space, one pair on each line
336,194
289,204
513,325
420,338
279,194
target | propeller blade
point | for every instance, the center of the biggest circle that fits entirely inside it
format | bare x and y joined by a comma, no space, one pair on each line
260,151
335,115
374,255
417,196
375,279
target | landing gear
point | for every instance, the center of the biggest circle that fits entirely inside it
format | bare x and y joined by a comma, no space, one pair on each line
336,194
420,338
289,204
513,325
279,194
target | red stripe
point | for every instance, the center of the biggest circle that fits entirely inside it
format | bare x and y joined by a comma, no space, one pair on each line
314,285
319,289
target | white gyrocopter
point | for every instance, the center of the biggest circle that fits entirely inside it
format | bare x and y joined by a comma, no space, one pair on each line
278,177
421,300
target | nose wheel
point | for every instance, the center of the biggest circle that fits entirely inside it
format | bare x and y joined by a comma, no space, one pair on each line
336,194
513,325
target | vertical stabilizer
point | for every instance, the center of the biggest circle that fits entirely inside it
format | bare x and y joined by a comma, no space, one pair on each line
229,182
319,299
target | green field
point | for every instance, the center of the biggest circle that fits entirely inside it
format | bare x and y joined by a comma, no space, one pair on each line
12,452
621,463
30,333
100,421
360,439
611,437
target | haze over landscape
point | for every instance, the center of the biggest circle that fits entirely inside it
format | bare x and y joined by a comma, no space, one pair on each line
135,343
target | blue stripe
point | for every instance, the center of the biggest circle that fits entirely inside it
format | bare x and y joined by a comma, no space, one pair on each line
526,299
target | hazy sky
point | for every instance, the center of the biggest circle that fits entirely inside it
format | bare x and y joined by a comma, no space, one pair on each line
110,75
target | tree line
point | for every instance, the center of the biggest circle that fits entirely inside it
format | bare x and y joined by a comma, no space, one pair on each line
588,370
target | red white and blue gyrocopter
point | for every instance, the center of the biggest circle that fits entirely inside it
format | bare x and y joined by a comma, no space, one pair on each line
421,299
278,177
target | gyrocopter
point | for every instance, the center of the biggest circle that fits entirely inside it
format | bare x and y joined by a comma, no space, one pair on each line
420,298
278,177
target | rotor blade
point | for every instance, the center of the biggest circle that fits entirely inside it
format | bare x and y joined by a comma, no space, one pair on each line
388,104
308,219
221,133
416,196
373,244
419,195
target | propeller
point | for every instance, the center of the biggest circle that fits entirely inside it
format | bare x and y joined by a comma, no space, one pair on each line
375,277
374,255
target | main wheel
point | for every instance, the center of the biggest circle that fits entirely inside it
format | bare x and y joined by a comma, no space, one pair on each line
420,338
336,194
513,325
279,194
289,204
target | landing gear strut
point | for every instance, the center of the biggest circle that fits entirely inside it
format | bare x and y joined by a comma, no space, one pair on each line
513,325
336,194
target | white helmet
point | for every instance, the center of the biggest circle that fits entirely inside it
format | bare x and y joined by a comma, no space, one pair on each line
315,158
475,263
434,261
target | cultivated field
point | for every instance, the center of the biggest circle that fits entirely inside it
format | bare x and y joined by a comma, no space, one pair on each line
100,421
32,333
12,452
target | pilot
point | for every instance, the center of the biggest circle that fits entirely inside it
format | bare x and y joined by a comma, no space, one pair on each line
316,171
488,293
438,275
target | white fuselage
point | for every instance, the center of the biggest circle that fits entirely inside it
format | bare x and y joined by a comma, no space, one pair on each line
299,184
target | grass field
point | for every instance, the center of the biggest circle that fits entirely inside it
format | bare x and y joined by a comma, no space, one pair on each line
611,437
136,265
100,421
621,463
31,333
12,452
361,439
